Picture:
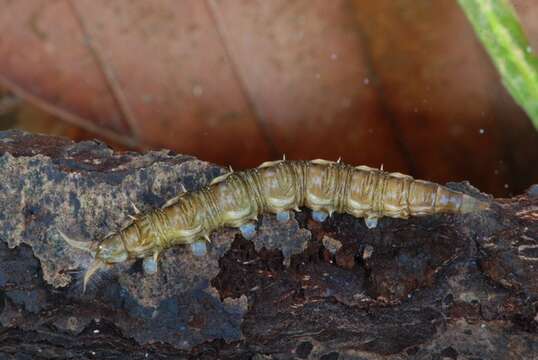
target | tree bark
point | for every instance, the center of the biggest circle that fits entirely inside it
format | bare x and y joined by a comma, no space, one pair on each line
437,287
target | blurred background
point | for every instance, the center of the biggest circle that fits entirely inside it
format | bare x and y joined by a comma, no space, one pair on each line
403,83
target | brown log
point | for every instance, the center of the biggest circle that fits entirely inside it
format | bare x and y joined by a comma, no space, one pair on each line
436,287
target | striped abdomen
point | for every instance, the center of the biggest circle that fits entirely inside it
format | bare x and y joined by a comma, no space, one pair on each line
275,187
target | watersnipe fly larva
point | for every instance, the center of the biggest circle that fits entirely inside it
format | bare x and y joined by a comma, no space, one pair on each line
237,198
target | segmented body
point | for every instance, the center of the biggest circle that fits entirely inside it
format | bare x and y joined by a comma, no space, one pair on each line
237,198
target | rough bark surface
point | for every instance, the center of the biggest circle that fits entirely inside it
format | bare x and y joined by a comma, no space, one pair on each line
438,287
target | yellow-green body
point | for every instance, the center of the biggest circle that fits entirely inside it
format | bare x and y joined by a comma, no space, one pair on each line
237,198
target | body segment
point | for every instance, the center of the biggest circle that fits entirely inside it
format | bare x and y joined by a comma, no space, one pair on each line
237,198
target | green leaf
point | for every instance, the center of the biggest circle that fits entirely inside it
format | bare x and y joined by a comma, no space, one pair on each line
497,25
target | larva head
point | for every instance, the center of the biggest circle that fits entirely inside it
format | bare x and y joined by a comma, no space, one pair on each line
111,250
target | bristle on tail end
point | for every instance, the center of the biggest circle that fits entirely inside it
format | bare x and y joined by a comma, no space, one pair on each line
471,204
